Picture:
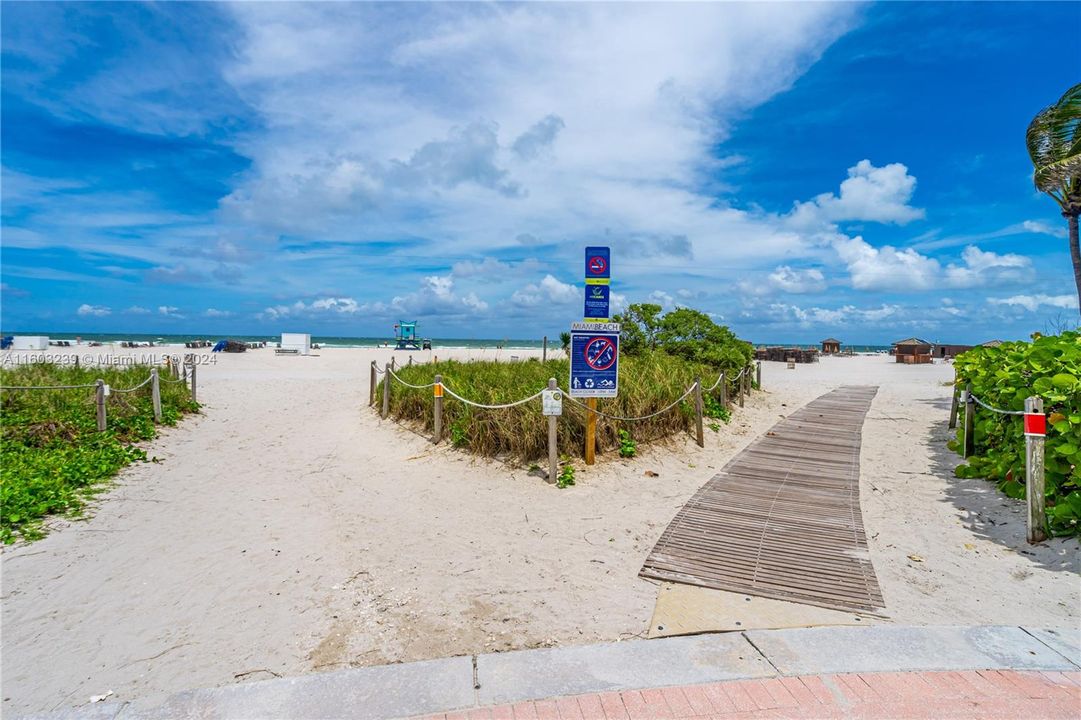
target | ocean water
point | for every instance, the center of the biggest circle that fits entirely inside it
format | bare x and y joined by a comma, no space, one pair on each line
323,340
369,342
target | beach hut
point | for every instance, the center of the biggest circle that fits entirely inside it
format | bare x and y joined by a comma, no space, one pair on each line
912,351
30,342
298,343
831,346
948,351
405,335
991,343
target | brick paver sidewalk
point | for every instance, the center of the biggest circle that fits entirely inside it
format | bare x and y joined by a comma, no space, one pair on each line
968,694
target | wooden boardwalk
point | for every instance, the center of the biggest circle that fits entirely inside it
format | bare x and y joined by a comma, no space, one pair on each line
782,519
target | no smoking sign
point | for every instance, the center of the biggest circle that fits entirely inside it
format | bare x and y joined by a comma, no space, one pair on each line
594,360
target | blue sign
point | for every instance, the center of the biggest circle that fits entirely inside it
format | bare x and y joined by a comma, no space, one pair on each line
598,265
594,360
597,301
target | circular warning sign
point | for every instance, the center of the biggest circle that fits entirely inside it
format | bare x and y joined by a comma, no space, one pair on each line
597,265
599,353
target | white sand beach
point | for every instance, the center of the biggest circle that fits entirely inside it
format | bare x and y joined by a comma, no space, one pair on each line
288,530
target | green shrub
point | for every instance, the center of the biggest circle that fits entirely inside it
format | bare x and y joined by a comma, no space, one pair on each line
628,448
647,383
53,456
566,477
1048,367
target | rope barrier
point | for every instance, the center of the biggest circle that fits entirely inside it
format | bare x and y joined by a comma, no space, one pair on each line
713,387
46,387
631,419
981,403
491,407
415,387
167,380
133,389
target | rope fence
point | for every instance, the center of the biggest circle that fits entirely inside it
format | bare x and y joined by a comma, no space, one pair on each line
1035,431
742,380
102,391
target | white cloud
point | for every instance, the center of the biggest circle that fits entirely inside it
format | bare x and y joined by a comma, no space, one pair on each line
137,310
905,269
789,280
784,313
1042,228
93,310
549,290
321,306
169,311
215,313
1033,302
877,194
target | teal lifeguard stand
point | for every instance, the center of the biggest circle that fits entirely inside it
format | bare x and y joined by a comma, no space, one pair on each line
406,335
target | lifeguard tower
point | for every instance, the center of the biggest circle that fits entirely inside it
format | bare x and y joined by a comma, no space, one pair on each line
406,335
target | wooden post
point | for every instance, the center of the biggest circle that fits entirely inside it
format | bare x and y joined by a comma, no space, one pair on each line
970,420
700,436
101,405
76,361
544,351
953,408
194,397
553,445
438,420
724,390
155,394
386,391
184,371
371,385
393,363
410,361
758,374
1034,480
742,384
591,431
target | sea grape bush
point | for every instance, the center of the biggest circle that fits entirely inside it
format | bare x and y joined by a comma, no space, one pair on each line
1048,367
53,456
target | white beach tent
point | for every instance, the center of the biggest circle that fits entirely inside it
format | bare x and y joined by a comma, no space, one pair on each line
30,342
300,342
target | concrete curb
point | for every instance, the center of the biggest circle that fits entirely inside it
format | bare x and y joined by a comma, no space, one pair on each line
434,686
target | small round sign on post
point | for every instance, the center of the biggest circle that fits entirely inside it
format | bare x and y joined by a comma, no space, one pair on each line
552,402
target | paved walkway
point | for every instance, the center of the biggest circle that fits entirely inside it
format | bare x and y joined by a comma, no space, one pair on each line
967,694
883,671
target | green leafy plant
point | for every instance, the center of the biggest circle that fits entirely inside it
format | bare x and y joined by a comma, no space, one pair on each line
459,436
565,341
628,448
54,458
712,408
715,427
1048,367
566,477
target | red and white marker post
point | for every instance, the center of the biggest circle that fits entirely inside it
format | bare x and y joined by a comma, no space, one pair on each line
1035,432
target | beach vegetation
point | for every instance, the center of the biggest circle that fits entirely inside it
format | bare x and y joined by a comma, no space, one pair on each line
628,448
566,477
648,383
54,458
1048,367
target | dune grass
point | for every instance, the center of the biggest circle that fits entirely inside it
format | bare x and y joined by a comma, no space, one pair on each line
647,383
54,458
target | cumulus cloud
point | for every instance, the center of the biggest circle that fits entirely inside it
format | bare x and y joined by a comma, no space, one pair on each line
785,313
1032,303
323,306
169,311
215,313
876,194
808,280
891,268
93,310
548,290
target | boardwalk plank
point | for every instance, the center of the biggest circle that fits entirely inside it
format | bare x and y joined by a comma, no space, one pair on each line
782,519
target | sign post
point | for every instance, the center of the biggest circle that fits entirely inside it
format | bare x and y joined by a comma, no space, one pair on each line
595,343
1035,431
598,274
552,405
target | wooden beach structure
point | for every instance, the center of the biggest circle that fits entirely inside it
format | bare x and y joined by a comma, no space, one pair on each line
943,351
912,351
786,354
831,346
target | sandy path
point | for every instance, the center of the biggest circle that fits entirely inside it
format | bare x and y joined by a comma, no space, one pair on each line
289,530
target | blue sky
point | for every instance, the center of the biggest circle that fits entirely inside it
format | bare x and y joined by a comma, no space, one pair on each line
798,171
